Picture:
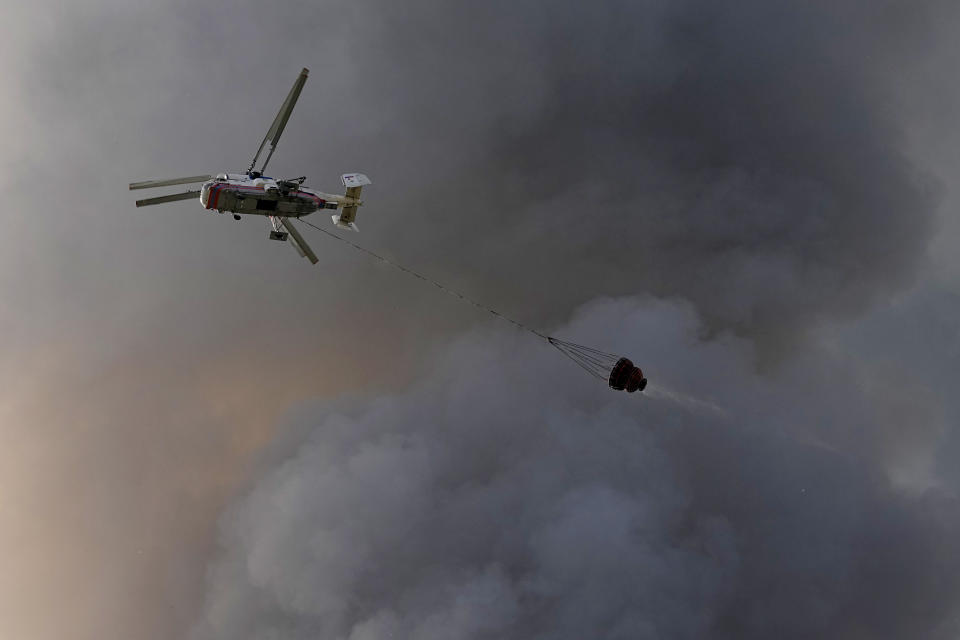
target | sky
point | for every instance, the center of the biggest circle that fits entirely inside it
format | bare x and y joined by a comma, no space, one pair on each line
205,437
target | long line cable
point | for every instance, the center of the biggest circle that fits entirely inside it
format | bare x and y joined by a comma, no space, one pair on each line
438,285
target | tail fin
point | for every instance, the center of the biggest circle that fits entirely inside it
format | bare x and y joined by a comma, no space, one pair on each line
354,183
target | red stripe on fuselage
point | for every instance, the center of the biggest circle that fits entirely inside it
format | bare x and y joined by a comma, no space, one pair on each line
217,188
317,199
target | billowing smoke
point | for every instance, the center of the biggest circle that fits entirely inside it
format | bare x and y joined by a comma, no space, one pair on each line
746,156
504,497
743,160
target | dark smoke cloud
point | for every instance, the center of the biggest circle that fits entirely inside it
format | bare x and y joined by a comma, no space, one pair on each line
506,497
745,156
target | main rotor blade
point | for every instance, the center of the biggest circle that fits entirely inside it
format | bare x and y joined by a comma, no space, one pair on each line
298,241
147,184
189,195
280,122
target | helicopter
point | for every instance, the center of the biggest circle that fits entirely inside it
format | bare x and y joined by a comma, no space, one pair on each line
253,193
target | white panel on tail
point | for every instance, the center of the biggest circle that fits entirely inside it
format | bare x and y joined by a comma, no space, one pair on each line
354,180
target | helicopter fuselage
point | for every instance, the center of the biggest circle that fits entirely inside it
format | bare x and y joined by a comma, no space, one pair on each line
242,194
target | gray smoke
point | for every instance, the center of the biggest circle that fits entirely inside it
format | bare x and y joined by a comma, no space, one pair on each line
752,158
747,159
746,156
507,497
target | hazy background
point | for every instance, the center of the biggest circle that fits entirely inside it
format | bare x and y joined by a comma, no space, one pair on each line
204,435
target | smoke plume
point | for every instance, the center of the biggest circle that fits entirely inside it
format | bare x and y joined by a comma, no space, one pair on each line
747,157
506,497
